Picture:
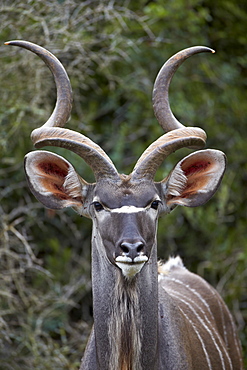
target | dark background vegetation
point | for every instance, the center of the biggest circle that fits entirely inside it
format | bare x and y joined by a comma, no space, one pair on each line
112,51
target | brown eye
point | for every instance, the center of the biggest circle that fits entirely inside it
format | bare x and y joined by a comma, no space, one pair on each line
155,204
98,206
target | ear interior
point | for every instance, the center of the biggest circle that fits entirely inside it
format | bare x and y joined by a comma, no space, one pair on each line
54,181
51,175
195,179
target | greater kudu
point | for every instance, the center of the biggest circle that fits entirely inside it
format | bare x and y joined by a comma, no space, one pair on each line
145,317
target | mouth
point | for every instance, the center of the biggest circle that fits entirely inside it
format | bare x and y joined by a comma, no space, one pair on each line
131,267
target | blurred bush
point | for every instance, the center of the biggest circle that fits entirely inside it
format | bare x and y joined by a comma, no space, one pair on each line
112,52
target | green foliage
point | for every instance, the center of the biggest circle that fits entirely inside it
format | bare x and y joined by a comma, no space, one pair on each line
112,52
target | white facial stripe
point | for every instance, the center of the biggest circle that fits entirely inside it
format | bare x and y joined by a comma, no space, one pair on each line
127,209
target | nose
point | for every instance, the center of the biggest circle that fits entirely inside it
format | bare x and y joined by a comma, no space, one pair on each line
132,250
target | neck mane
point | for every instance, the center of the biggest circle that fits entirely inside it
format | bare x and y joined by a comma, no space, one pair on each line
125,314
126,323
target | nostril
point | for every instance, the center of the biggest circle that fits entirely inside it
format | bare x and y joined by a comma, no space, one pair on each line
125,249
140,248
132,250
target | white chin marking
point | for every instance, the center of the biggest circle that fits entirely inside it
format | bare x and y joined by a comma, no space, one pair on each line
127,209
129,268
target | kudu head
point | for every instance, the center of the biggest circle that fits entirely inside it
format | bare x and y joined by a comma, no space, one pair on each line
124,208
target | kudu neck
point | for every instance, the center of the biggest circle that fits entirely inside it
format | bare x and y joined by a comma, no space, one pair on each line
125,314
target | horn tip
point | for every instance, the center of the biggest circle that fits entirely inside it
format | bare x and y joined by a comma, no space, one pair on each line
12,42
17,43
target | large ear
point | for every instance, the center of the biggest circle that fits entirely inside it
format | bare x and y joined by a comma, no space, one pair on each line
54,181
195,179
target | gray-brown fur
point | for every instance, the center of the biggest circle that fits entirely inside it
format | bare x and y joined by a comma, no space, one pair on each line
141,321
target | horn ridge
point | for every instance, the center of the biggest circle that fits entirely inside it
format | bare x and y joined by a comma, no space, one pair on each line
52,133
159,150
62,110
93,154
161,103
177,135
